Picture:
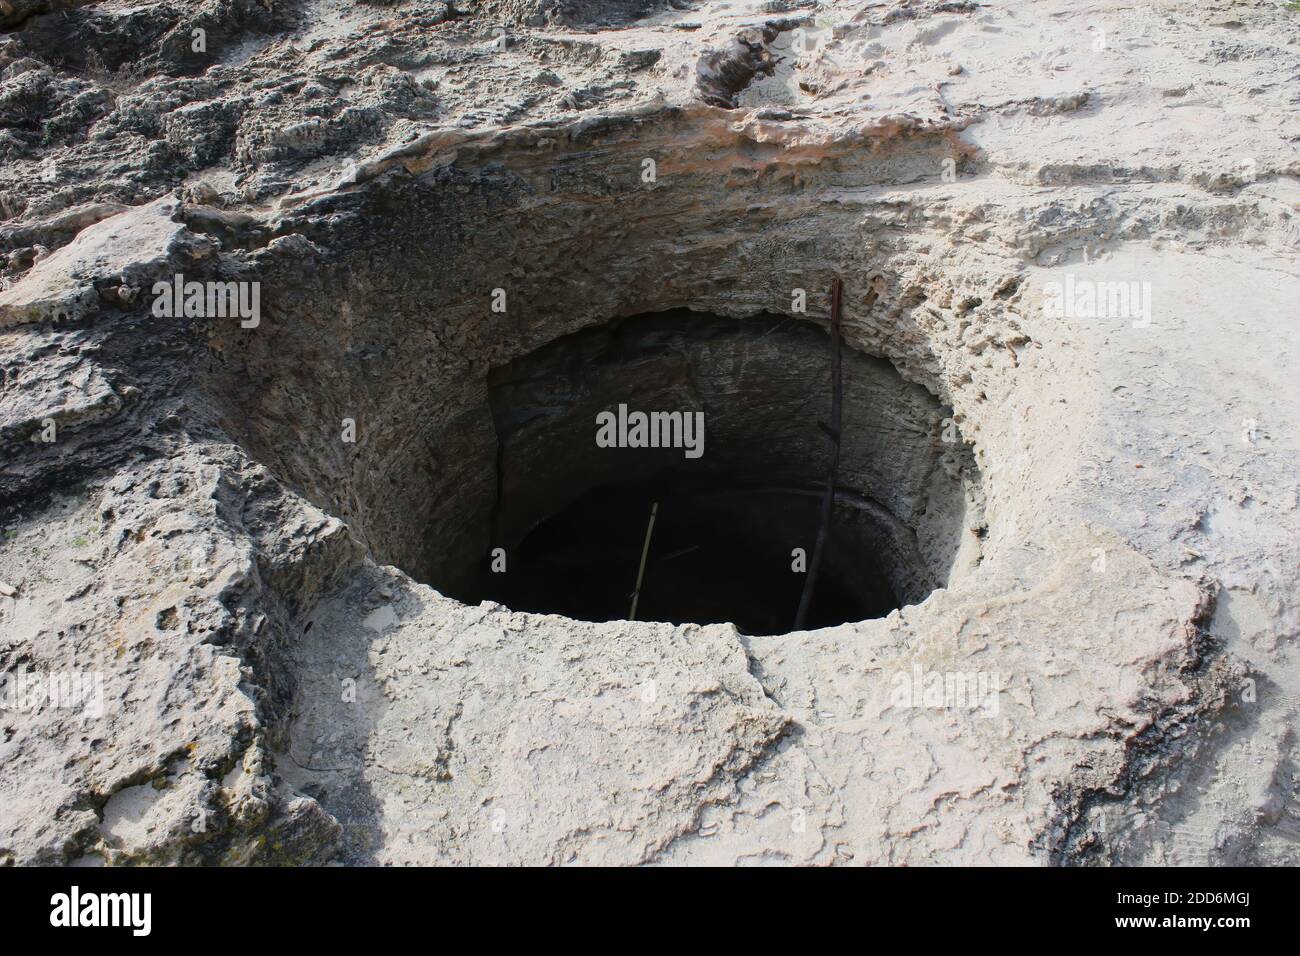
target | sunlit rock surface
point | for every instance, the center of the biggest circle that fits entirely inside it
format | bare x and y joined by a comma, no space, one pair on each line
1081,225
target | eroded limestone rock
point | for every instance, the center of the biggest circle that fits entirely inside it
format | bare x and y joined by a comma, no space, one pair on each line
183,520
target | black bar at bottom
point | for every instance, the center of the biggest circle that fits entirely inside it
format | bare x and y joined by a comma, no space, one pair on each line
307,905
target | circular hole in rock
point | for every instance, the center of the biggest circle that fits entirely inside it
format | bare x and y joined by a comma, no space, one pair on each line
738,505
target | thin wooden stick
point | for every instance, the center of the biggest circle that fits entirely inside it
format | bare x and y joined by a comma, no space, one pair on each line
645,550
828,498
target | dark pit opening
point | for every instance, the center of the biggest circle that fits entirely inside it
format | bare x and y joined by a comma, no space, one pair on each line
722,555
565,526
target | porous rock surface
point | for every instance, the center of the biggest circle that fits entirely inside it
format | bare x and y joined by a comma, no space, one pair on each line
277,689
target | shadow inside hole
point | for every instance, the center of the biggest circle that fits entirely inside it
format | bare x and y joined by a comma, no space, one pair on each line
714,556
534,477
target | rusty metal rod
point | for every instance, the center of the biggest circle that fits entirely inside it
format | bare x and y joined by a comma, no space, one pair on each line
645,550
833,432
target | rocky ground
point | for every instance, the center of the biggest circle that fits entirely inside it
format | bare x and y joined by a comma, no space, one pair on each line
216,643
